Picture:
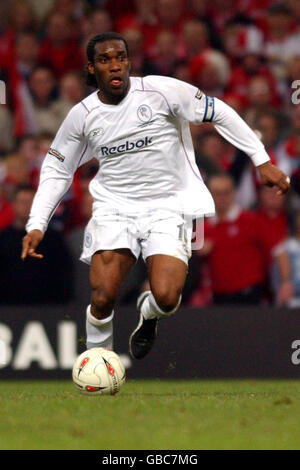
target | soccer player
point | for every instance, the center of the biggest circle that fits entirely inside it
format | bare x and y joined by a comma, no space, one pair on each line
148,187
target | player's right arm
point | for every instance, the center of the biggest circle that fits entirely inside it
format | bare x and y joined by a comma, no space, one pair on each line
68,151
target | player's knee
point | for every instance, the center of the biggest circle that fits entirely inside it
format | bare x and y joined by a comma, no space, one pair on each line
167,299
102,304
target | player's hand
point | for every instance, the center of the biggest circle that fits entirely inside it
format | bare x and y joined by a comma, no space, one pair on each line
29,244
271,176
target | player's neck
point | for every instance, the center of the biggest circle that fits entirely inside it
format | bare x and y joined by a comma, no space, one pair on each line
107,98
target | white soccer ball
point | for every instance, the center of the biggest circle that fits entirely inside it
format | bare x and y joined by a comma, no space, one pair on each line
98,371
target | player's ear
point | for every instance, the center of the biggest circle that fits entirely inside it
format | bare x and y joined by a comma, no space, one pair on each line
90,68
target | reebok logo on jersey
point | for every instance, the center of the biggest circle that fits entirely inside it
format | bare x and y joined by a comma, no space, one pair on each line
126,147
56,154
96,132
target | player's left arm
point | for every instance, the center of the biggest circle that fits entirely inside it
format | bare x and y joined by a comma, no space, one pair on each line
186,102
235,130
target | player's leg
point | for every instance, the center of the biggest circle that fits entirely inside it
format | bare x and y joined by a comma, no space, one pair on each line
107,272
167,275
166,249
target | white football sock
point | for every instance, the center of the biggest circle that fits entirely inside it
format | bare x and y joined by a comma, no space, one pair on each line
150,309
99,333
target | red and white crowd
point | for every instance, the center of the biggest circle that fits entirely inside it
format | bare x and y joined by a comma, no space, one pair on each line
244,52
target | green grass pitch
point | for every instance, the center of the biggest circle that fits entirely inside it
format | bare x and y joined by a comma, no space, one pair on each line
152,414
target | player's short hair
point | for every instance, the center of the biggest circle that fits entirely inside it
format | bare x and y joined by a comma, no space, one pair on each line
90,51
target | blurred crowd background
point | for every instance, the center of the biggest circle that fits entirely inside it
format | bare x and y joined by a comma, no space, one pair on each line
246,52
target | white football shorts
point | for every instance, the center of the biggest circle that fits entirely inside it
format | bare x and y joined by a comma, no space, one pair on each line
151,233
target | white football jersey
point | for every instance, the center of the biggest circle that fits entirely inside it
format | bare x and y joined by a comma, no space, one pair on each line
144,148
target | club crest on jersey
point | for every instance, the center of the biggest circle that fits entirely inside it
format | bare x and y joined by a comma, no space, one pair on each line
144,113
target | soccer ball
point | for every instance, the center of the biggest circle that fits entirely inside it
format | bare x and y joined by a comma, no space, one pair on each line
98,371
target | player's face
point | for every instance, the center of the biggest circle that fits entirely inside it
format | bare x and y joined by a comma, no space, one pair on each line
111,68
